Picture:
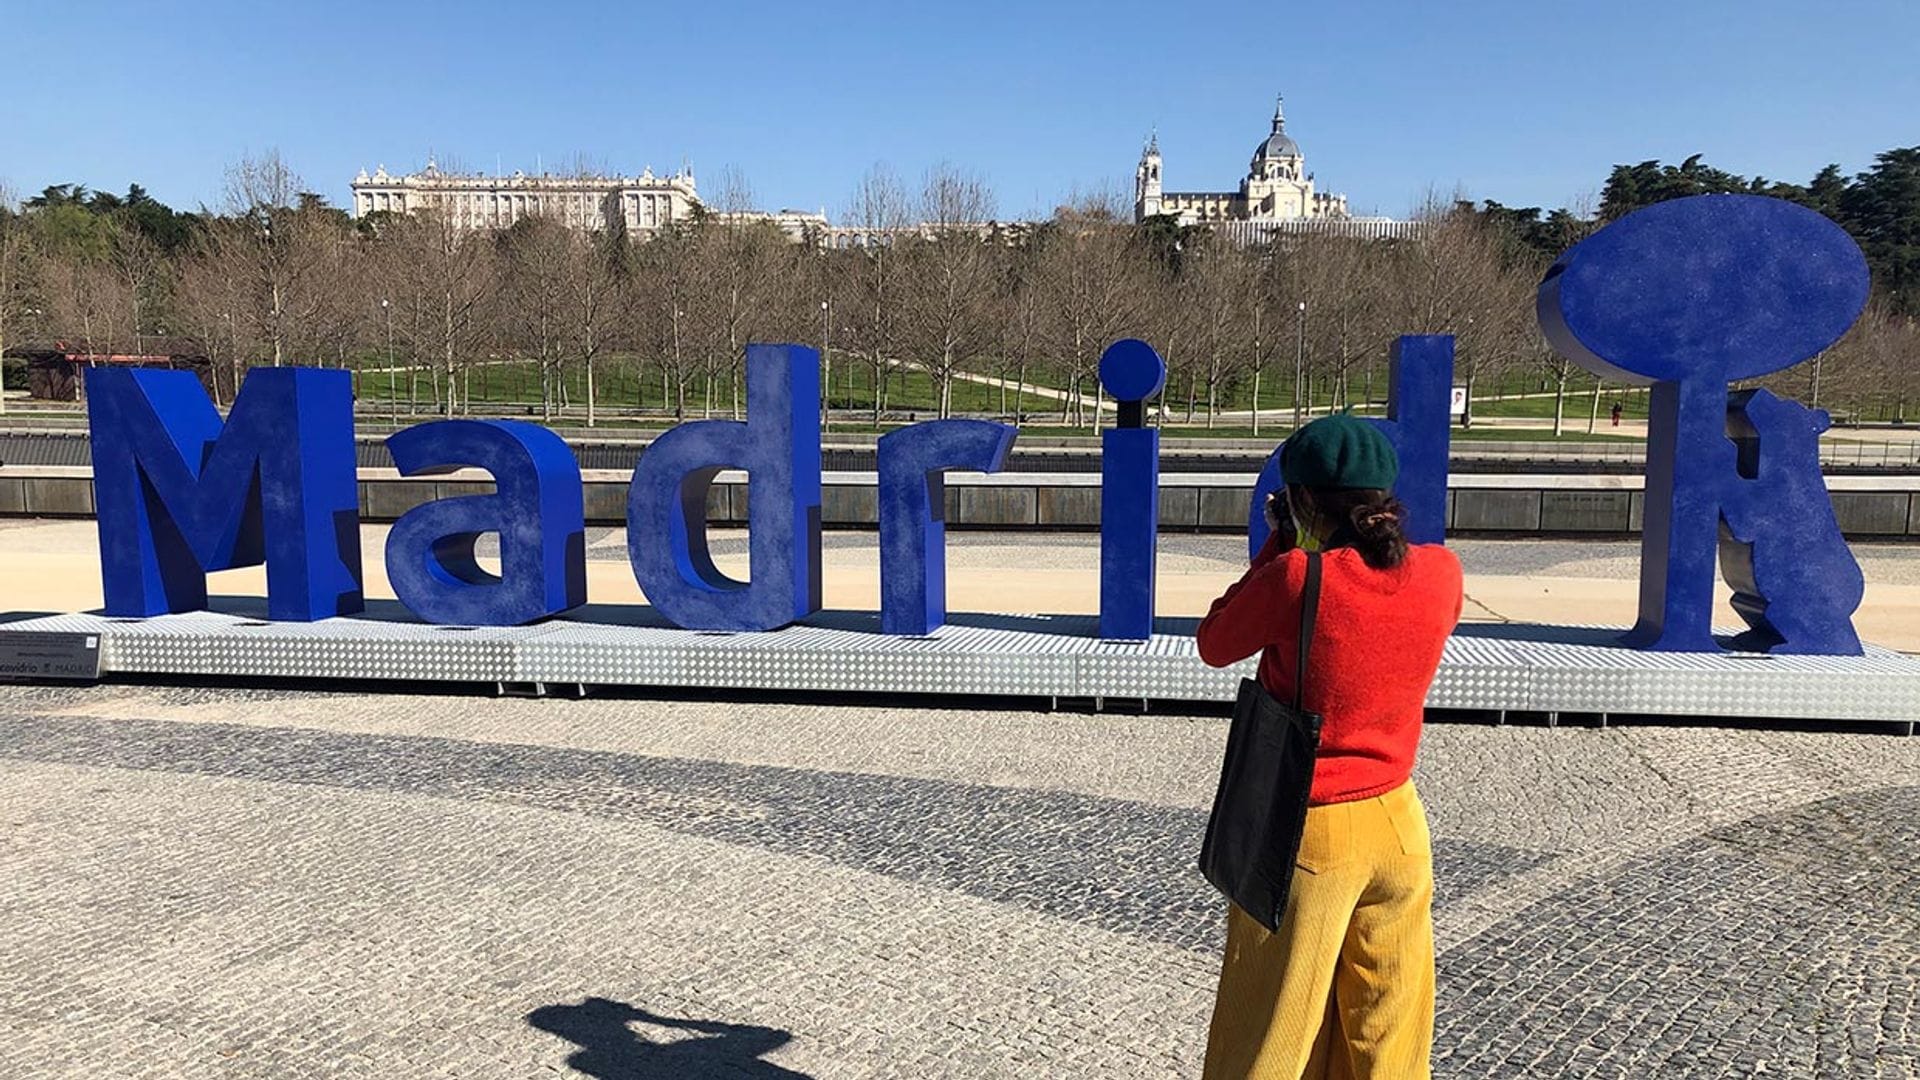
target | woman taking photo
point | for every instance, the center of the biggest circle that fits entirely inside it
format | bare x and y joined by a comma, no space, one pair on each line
1344,986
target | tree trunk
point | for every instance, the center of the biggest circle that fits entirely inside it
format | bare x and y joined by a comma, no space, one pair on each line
590,391
1560,402
1593,415
1255,414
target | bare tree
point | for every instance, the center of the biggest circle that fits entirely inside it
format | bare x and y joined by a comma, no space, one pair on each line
1023,327
89,303
1217,282
595,269
279,236
1340,281
16,273
536,256
1452,281
736,253
879,210
661,292
450,277
1091,274
209,292
951,273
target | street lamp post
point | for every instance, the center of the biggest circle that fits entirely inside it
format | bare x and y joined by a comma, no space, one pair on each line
393,373
1299,365
826,365
266,235
233,360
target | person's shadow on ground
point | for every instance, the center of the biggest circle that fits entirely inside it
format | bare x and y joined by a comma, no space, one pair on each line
611,1050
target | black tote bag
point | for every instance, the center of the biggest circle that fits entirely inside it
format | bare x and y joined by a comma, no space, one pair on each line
1253,834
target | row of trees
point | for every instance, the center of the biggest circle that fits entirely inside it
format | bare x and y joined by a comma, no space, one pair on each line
277,276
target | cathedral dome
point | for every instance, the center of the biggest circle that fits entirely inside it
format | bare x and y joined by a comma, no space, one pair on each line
1278,144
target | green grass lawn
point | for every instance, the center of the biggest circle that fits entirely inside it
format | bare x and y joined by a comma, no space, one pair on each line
625,382
620,384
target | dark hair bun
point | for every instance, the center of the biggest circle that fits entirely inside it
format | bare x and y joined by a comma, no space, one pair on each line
1379,530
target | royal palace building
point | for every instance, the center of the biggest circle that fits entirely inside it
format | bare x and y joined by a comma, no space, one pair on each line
642,203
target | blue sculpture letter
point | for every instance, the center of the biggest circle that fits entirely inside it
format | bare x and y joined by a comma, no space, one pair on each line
178,494
536,511
1769,556
779,446
1419,383
913,530
1686,296
1129,492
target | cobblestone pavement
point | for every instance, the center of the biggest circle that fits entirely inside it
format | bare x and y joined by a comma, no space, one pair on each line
251,883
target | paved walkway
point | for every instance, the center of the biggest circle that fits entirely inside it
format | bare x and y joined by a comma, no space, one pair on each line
253,883
225,882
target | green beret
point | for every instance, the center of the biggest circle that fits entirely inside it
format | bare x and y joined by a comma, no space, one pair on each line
1340,452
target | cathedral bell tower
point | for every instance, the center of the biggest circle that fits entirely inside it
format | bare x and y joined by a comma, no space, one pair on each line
1146,181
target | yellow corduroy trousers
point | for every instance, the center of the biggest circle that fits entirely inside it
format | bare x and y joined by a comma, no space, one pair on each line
1344,989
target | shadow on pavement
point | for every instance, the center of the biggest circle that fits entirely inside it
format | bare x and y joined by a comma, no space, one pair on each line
611,1050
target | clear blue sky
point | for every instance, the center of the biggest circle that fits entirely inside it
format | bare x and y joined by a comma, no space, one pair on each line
1528,103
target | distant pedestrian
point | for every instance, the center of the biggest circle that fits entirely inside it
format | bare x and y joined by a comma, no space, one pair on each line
1345,985
1616,414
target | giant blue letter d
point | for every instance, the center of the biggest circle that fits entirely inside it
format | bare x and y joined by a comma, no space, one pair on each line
779,447
177,494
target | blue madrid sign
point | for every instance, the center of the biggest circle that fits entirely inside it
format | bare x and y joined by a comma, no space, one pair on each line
1685,297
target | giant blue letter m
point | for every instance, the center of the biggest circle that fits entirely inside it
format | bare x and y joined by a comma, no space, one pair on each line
178,494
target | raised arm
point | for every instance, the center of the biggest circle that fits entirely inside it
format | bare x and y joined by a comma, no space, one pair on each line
1243,620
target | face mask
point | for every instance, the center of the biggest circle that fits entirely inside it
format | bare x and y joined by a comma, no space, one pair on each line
1302,539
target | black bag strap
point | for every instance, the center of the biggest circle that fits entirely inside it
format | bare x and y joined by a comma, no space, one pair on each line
1309,613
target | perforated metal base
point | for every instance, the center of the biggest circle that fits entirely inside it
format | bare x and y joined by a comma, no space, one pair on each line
1499,668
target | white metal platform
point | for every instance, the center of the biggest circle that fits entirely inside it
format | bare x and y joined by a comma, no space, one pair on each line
1498,668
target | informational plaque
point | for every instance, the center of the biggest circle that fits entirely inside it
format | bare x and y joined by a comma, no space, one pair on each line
45,657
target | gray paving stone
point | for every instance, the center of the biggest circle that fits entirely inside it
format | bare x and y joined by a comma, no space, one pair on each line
271,882
1053,852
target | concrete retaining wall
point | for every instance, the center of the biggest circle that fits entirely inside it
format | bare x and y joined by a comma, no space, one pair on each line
1866,506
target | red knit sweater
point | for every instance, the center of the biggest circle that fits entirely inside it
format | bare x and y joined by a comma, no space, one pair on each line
1375,649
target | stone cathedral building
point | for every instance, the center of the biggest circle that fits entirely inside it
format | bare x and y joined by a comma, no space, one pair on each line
1278,188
